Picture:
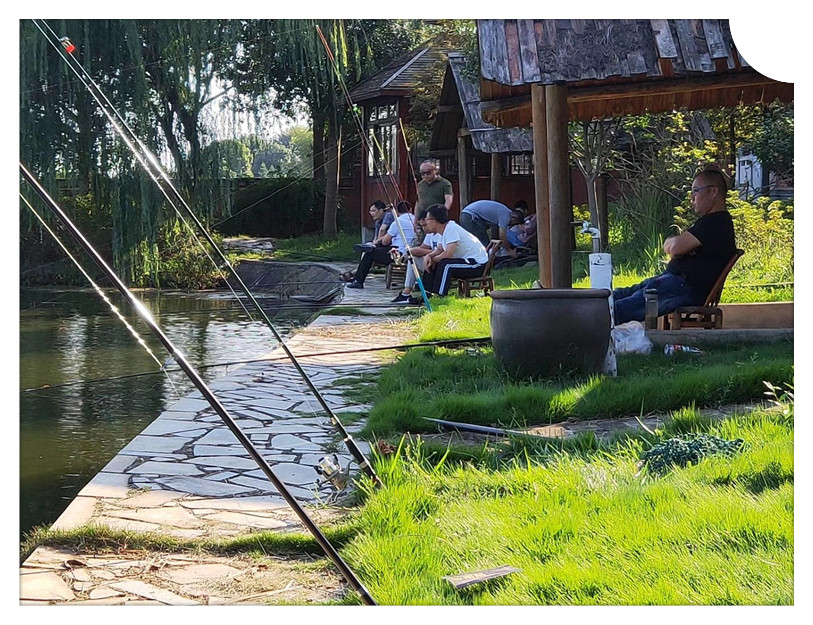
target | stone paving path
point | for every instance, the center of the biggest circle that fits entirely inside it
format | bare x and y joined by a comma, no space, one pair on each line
187,476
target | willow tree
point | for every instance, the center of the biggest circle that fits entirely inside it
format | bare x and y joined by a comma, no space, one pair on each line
160,75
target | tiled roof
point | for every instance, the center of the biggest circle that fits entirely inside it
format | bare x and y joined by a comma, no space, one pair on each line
399,77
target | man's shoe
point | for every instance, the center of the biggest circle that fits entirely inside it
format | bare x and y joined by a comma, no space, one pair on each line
401,299
355,285
415,301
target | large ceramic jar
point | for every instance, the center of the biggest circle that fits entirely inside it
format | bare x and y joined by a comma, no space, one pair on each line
546,332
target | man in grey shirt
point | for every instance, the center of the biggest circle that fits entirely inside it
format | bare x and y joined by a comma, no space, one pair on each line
478,217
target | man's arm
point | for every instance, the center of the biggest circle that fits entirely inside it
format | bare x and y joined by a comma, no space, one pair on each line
447,200
680,245
506,245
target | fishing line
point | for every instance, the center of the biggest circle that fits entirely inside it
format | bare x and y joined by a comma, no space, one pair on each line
194,376
146,156
354,114
405,346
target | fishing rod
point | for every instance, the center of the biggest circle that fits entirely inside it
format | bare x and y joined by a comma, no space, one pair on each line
153,167
354,114
194,376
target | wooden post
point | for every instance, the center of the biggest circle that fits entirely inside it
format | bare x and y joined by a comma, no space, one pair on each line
559,189
540,137
463,170
496,175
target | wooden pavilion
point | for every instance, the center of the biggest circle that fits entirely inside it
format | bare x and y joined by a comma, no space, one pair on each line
544,73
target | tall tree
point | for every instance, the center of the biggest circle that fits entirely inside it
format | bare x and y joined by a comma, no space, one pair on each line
291,58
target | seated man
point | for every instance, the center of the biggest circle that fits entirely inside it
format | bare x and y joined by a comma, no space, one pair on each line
382,218
380,255
430,242
698,255
459,255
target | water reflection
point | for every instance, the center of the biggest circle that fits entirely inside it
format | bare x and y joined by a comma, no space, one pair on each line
71,341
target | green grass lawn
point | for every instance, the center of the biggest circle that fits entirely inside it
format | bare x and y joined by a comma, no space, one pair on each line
579,518
587,528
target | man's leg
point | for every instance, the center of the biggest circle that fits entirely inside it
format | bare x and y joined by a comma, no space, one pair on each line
378,255
629,304
449,269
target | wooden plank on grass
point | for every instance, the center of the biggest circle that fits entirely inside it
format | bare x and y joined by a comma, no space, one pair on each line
461,580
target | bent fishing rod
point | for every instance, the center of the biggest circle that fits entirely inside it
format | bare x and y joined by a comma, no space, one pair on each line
195,378
360,126
151,165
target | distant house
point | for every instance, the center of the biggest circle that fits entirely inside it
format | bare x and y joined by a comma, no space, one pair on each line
385,171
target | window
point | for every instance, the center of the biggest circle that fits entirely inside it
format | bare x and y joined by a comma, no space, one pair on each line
382,134
520,164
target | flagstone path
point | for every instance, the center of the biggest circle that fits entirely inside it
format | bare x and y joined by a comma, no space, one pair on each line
187,476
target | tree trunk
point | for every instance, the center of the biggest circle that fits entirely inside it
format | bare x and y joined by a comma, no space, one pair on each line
319,120
331,180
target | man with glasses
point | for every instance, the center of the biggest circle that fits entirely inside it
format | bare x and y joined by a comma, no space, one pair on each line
430,242
380,255
433,189
698,255
459,255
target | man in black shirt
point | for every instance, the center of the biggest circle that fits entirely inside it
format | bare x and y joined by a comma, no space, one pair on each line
698,255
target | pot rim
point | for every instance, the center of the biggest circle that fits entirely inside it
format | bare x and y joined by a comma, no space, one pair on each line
532,294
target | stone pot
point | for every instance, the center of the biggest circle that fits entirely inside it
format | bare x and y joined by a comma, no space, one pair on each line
545,332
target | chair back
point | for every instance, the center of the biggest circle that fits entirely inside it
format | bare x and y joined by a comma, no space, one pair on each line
713,298
493,247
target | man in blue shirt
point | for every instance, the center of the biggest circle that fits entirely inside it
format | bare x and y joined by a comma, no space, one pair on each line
480,216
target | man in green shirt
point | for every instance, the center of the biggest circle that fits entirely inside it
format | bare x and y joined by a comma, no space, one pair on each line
433,189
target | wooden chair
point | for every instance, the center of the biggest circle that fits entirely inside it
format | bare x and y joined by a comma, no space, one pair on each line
396,275
709,315
465,286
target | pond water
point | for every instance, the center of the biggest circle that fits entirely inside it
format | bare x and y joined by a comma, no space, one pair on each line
71,341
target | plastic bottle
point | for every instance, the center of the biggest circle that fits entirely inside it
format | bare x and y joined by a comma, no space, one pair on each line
673,348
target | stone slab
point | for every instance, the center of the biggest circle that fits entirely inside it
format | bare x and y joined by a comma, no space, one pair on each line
290,473
199,573
223,462
44,586
199,486
247,520
79,512
151,499
148,591
162,426
115,485
175,516
154,444
257,503
165,468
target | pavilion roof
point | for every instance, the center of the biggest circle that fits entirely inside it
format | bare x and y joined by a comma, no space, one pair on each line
616,67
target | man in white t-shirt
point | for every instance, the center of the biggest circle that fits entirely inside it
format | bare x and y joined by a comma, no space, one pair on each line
460,254
417,252
392,240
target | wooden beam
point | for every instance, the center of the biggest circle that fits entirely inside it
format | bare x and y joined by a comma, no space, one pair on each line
496,175
540,136
559,187
463,174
